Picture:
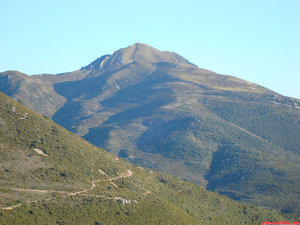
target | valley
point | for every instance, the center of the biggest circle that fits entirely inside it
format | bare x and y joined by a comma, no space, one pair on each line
158,110
79,183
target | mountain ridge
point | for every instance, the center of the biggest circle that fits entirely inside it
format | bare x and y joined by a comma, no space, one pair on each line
162,112
49,175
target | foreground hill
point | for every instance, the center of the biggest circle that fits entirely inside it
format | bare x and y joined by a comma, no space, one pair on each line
158,110
51,176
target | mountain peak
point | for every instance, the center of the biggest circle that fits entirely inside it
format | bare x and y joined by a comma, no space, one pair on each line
144,54
136,53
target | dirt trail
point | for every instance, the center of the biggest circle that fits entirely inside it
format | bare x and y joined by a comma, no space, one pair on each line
128,173
39,191
124,175
146,190
12,207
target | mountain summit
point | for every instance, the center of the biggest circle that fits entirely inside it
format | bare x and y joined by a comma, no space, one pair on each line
136,53
157,110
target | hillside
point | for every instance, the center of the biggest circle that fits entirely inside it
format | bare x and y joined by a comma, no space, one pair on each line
157,110
51,176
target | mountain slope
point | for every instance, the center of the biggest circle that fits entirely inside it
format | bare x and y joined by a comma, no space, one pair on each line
49,175
37,95
158,110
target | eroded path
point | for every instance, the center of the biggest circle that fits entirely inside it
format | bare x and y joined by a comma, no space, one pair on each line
84,192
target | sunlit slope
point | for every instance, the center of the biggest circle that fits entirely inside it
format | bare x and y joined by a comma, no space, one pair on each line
158,110
51,176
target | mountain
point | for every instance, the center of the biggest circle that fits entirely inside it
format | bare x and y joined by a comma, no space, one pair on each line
158,110
51,176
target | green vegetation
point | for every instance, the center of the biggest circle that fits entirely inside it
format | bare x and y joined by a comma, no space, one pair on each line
157,110
54,185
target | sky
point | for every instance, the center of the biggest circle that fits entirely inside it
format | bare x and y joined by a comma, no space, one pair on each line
255,40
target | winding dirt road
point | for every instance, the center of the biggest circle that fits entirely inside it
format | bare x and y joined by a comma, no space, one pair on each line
128,173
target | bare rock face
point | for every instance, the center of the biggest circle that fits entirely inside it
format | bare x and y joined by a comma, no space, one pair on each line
144,54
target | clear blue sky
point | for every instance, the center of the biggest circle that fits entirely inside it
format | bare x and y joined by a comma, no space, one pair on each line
256,40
